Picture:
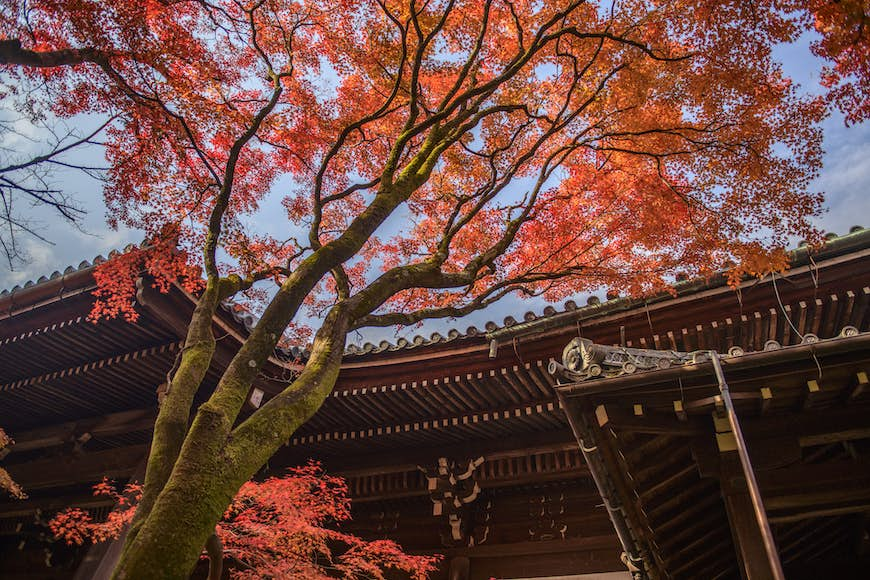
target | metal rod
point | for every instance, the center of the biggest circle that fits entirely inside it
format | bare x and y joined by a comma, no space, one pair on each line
748,472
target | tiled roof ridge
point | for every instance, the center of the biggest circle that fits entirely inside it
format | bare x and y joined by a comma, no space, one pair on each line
570,309
594,305
83,265
243,319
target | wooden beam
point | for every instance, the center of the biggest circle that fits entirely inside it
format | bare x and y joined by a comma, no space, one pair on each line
813,427
767,453
640,420
407,459
679,411
812,393
83,468
542,408
748,541
101,426
536,548
27,507
799,515
494,473
766,399
816,485
860,386
120,359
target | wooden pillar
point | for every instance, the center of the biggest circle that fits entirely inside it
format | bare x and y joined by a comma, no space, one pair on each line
460,567
748,541
101,558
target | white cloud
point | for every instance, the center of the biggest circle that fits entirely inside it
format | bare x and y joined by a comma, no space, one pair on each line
845,178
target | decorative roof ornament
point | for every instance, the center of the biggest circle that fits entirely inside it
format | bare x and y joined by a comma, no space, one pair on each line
583,360
453,490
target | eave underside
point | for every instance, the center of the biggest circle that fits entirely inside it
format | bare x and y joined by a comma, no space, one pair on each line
806,421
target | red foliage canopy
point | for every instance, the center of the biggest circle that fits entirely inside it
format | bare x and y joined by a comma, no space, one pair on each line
844,26
636,139
277,528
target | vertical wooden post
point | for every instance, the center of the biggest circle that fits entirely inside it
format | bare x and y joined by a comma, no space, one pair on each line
774,566
460,567
748,540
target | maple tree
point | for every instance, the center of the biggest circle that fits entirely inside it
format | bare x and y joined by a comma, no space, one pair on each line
430,158
844,27
277,528
27,179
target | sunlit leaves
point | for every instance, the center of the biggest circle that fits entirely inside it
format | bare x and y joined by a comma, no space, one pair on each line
637,139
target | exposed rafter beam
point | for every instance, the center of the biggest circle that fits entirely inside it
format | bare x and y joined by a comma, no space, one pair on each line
102,426
121,359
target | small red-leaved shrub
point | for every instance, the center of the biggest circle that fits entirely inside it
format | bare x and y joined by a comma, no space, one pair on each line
282,527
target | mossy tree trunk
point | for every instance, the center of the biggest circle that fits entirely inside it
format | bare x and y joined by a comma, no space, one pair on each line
214,462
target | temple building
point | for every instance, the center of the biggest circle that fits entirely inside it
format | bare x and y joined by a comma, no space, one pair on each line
716,432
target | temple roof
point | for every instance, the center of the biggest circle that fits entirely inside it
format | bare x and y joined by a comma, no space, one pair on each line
79,278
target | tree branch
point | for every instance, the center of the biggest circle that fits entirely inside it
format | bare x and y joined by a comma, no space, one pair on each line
11,53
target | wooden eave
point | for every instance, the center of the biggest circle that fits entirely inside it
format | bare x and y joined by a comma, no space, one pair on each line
805,413
417,399
375,410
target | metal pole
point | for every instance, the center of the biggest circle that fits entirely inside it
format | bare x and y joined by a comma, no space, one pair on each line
748,472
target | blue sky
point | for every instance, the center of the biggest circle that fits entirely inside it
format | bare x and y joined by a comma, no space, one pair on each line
845,180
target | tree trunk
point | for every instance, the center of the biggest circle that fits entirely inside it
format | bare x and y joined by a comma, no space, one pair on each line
171,539
216,460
